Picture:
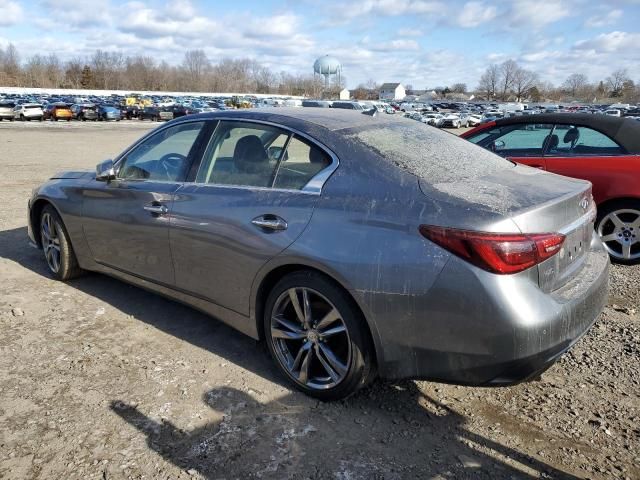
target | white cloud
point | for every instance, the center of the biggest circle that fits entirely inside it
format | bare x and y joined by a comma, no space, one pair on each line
79,13
10,13
410,32
614,42
475,13
536,14
360,8
602,20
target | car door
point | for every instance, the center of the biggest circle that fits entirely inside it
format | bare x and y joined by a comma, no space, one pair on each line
582,152
126,220
250,200
521,142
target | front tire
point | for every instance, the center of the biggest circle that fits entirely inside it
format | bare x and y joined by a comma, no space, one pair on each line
317,337
618,226
56,246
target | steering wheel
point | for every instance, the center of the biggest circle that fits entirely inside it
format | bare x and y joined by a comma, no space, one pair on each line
172,164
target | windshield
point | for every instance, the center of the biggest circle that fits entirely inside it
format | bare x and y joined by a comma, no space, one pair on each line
431,154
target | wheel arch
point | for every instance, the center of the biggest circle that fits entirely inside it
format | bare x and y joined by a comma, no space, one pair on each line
35,213
602,206
271,277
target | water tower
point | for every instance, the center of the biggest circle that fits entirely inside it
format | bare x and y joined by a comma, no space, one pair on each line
328,67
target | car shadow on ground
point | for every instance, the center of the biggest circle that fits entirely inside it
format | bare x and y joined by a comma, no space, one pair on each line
390,430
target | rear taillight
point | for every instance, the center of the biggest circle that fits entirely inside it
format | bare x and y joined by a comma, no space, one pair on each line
500,253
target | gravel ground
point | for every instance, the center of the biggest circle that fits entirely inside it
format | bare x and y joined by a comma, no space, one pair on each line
101,380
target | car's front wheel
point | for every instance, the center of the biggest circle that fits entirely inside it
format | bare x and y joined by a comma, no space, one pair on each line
317,336
618,226
56,246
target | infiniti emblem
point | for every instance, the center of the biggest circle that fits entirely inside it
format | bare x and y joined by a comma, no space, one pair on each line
584,203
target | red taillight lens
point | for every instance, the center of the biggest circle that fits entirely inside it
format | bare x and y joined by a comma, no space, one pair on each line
500,253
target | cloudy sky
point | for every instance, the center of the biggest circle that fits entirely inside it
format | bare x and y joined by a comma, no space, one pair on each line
419,42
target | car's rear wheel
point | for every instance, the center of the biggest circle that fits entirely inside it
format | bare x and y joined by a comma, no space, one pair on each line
618,226
317,336
56,246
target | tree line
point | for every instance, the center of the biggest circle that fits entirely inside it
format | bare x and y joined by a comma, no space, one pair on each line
196,73
508,81
116,71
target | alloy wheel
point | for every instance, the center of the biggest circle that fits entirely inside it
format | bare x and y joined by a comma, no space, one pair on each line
50,242
310,338
620,233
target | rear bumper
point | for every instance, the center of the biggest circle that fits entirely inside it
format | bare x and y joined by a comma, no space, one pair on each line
475,328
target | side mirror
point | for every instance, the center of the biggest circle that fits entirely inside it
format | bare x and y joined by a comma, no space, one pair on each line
105,171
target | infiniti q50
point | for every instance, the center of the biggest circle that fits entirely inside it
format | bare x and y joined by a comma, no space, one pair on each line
354,246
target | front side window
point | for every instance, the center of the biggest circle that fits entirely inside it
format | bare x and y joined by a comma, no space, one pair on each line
581,141
526,140
162,157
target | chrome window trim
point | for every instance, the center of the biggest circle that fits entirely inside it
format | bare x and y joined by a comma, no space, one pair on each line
313,186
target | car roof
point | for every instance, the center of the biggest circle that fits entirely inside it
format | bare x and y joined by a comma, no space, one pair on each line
623,130
329,118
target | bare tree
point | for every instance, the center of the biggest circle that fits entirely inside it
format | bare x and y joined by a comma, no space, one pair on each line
10,66
616,80
508,72
459,88
195,64
523,81
575,83
489,81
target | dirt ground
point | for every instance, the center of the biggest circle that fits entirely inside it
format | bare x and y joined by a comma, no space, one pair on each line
101,380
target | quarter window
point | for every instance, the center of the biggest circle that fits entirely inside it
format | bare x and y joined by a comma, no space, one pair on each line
300,163
164,156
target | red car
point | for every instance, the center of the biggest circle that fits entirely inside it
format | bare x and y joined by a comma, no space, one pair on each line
602,149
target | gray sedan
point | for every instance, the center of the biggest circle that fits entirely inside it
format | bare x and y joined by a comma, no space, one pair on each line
354,246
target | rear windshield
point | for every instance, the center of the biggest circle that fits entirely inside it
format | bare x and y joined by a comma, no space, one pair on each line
32,106
431,154
7,105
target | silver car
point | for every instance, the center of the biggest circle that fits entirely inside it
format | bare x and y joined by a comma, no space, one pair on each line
6,110
353,245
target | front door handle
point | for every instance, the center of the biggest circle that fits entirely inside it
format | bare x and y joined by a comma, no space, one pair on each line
156,208
270,222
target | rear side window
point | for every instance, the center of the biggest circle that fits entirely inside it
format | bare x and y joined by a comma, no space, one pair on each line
581,141
242,154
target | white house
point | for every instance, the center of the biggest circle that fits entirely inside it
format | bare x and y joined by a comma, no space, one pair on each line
391,91
345,94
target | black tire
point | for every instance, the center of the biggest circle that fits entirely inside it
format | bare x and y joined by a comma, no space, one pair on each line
21,118
353,350
628,211
67,263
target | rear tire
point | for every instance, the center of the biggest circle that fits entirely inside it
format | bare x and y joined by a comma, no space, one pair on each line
324,350
56,246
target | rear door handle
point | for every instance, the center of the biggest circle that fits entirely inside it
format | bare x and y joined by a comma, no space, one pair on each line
156,208
270,222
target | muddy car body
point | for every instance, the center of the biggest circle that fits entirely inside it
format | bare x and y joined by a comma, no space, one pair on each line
352,244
